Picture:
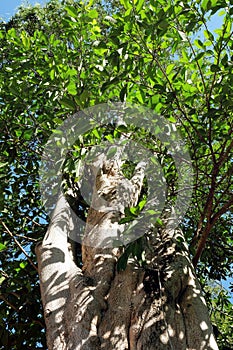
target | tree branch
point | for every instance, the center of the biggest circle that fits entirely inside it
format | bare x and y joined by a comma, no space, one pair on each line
19,245
209,226
223,210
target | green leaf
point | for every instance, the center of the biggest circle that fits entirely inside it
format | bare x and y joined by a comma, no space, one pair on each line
199,55
208,35
92,13
198,43
163,24
27,135
52,74
153,159
169,68
133,210
71,11
172,119
25,40
140,96
67,102
72,88
126,219
122,262
206,4
139,5
82,99
2,246
111,152
151,212
96,133
58,121
126,4
159,222
123,259
109,83
23,264
109,138
57,131
141,204
12,33
214,68
122,128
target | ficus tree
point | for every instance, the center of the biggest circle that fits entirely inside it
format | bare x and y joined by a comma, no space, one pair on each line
69,57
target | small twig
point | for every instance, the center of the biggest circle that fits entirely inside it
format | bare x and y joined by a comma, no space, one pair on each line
223,210
8,303
4,274
19,245
27,238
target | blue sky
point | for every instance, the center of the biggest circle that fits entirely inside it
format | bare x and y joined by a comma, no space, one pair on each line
9,7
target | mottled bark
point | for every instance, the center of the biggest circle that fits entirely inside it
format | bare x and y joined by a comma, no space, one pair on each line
159,306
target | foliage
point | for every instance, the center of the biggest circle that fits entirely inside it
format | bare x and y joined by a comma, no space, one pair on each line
70,55
221,312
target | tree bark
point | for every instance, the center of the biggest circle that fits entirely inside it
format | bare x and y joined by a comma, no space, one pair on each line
157,306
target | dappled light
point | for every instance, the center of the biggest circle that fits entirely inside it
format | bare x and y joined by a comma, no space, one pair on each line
116,171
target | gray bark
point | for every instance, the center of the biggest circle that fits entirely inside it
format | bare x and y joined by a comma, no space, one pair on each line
159,306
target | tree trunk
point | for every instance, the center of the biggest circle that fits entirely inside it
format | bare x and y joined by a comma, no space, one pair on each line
157,306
